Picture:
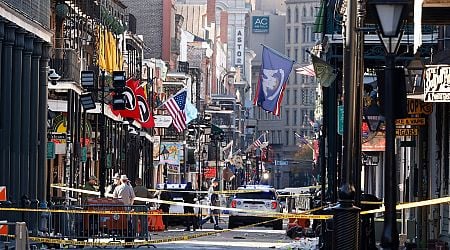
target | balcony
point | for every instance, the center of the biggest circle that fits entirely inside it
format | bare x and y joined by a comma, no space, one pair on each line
69,66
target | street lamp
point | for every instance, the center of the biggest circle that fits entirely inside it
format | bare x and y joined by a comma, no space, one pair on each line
390,16
204,157
165,153
230,73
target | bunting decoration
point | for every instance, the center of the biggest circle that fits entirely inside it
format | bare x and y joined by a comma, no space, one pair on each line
131,107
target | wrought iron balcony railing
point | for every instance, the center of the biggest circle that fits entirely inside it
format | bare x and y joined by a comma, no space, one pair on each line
66,63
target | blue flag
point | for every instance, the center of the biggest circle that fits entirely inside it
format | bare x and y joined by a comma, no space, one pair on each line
273,77
191,112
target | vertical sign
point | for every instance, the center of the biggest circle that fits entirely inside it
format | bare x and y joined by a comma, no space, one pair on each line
50,150
340,120
239,47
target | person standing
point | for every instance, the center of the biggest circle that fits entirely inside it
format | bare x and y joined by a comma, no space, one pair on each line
140,191
89,186
165,195
189,197
213,198
124,191
112,186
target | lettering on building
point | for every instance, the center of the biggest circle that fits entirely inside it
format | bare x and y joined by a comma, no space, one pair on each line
239,50
406,132
437,83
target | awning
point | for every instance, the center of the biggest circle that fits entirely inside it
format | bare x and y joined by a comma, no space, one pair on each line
319,23
61,106
216,130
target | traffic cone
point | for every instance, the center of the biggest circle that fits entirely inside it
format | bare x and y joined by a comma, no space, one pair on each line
155,222
3,230
159,225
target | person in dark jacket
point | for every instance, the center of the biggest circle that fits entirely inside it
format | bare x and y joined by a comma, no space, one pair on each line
165,195
189,197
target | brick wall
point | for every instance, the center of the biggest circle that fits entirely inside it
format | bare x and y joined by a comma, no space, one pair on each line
149,16
211,11
224,27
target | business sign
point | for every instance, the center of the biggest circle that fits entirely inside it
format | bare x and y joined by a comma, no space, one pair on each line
410,121
376,143
418,107
162,121
239,47
156,146
260,24
436,83
406,132
281,163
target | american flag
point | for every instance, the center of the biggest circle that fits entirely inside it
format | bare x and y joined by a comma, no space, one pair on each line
176,107
259,141
302,139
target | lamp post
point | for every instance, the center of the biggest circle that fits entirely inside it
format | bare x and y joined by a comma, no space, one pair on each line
165,153
390,16
204,157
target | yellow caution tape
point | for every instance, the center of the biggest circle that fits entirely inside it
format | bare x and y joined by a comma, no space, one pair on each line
256,212
411,205
93,243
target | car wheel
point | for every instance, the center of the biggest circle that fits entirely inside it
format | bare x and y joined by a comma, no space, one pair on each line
231,223
278,225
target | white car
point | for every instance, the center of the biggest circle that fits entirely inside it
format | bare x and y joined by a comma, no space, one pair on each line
256,198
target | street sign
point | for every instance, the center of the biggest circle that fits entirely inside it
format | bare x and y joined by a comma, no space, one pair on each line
83,154
406,132
410,121
408,144
50,150
417,107
340,120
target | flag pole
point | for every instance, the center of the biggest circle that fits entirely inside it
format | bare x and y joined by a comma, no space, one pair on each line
277,52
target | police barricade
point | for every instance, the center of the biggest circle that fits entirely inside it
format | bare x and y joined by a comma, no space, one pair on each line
114,224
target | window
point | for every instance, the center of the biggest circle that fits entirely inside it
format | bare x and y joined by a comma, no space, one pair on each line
296,36
287,137
295,78
288,53
288,36
305,55
311,114
295,96
296,15
296,54
312,11
304,117
287,117
304,33
288,14
294,122
287,97
303,96
304,12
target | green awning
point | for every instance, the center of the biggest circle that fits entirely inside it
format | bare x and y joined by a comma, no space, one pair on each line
216,130
319,23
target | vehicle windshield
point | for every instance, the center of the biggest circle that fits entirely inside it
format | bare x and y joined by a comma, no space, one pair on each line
258,195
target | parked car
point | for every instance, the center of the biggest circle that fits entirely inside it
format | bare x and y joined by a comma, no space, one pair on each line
259,198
